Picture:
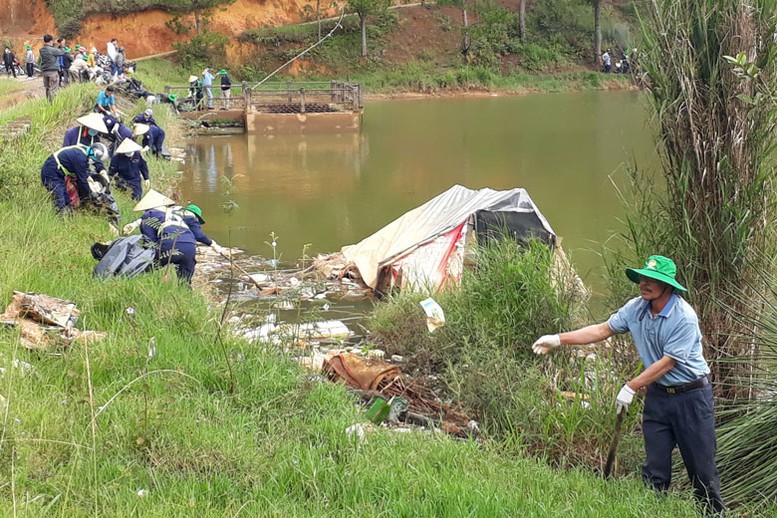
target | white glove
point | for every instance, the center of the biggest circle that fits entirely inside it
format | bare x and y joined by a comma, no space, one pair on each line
217,248
129,228
545,343
145,150
624,399
147,184
105,176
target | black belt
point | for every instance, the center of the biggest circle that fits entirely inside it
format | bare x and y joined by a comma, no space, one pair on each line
679,389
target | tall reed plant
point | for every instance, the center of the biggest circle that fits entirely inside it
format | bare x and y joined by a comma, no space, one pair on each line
747,444
716,125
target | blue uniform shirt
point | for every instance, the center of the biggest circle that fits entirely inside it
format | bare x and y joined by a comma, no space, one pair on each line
106,101
674,332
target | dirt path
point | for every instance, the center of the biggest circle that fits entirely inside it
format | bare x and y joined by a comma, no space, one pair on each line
23,88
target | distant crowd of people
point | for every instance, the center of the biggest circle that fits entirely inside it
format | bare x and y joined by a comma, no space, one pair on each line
627,63
201,90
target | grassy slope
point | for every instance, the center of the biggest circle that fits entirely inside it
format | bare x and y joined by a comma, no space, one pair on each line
268,440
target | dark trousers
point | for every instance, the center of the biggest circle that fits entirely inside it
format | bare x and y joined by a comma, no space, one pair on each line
30,69
181,255
9,69
130,184
686,420
53,180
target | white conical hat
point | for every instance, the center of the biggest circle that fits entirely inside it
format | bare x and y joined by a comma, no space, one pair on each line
140,129
193,78
151,200
128,146
93,121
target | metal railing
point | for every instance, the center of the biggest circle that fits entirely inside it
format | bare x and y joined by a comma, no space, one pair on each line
187,97
308,97
275,97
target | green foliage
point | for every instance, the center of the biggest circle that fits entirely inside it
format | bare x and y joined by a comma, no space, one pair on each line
711,209
170,437
201,50
482,358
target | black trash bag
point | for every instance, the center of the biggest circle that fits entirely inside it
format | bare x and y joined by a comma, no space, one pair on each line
102,199
125,256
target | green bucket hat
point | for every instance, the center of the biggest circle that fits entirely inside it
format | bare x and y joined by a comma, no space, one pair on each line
222,71
197,212
28,47
171,97
657,267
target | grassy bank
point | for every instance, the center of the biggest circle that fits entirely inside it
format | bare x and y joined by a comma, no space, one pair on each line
200,427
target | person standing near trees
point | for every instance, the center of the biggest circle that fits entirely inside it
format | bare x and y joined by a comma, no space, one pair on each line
29,61
226,88
679,404
8,59
207,82
607,61
49,66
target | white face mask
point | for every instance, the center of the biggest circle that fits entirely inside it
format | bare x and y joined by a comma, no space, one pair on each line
129,155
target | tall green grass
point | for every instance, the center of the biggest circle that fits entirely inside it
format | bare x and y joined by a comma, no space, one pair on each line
107,429
712,208
483,359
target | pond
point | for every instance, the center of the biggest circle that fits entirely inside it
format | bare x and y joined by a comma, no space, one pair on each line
317,193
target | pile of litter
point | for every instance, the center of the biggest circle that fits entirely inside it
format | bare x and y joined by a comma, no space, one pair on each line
46,322
375,380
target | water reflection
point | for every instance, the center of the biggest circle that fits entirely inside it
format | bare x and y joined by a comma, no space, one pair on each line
333,190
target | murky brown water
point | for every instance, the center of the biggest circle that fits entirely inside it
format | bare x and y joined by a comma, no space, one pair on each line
333,190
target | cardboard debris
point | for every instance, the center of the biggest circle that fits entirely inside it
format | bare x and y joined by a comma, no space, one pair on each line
46,322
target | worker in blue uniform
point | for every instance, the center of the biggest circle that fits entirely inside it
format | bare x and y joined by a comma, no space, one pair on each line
175,230
154,139
87,132
128,168
145,117
75,162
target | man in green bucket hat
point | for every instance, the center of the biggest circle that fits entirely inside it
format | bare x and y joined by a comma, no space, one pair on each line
679,404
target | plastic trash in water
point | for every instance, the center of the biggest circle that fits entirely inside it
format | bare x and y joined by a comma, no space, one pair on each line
435,317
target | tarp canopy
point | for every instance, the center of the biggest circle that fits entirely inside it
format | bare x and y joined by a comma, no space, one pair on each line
512,210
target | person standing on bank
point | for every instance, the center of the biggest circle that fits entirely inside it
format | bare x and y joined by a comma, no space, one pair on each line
49,66
207,82
226,88
8,59
679,404
29,61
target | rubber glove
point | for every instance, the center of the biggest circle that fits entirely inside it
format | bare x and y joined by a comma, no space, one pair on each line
217,248
545,343
624,399
147,184
129,228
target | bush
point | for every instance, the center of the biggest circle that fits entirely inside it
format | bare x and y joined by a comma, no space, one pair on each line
201,50
483,359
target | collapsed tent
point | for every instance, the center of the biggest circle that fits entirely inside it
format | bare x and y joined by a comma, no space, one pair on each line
424,248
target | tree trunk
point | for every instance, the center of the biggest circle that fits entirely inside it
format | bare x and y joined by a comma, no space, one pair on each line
522,20
465,40
363,21
318,17
197,21
597,32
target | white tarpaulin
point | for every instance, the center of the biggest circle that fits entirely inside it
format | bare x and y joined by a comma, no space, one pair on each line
399,241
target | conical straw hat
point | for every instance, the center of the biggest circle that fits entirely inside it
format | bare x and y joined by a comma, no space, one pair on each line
140,129
93,121
151,200
128,146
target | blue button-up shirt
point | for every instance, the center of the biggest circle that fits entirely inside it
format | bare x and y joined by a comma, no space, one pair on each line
674,332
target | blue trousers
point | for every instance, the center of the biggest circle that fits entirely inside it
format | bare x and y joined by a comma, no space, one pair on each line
179,254
130,184
685,420
54,180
